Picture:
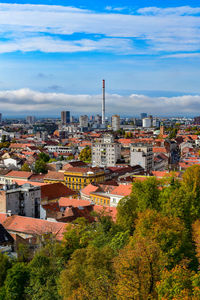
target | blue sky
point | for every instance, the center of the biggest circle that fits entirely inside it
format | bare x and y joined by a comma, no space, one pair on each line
54,54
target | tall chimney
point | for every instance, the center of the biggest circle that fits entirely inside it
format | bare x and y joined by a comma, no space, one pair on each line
103,103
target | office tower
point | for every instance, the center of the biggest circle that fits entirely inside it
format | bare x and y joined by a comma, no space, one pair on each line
103,102
65,117
143,115
83,121
142,154
106,152
30,119
115,122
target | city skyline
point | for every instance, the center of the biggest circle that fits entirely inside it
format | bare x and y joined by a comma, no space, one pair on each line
59,62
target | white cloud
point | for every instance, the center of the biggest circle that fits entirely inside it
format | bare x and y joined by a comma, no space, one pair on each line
111,8
53,45
26,100
182,10
182,55
26,28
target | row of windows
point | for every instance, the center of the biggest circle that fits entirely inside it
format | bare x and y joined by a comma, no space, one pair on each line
75,179
84,180
75,186
101,201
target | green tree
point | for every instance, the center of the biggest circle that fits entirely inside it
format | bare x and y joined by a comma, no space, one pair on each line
23,253
173,133
16,281
43,156
144,195
169,232
52,160
138,269
40,166
25,168
119,241
3,138
176,284
182,199
86,154
88,275
43,278
5,265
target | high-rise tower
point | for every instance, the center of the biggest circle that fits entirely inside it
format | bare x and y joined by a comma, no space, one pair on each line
103,103
65,117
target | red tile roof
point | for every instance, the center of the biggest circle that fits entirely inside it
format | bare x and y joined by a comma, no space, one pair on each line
122,190
65,202
159,149
19,174
34,226
55,190
90,188
34,183
2,217
51,175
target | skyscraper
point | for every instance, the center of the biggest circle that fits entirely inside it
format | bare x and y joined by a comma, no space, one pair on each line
65,117
30,119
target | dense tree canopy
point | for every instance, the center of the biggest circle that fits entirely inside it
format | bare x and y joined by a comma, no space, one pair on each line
151,252
86,154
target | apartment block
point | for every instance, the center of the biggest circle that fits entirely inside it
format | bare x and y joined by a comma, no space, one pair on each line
20,200
106,153
142,154
115,122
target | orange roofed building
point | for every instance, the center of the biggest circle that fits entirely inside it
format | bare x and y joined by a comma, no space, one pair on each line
31,227
53,191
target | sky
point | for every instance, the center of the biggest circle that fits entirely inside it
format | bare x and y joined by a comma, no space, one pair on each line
54,55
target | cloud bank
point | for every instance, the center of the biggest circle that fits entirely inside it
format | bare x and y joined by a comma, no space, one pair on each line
28,101
51,29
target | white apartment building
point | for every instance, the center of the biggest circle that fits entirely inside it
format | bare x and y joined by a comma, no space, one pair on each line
115,122
21,200
142,154
83,121
106,152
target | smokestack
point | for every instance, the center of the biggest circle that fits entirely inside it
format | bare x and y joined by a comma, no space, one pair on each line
103,103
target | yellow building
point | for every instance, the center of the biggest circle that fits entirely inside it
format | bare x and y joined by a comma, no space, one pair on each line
100,198
77,178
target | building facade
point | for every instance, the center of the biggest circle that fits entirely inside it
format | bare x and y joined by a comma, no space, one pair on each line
77,178
106,153
65,117
21,200
147,122
115,122
30,119
142,154
83,121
